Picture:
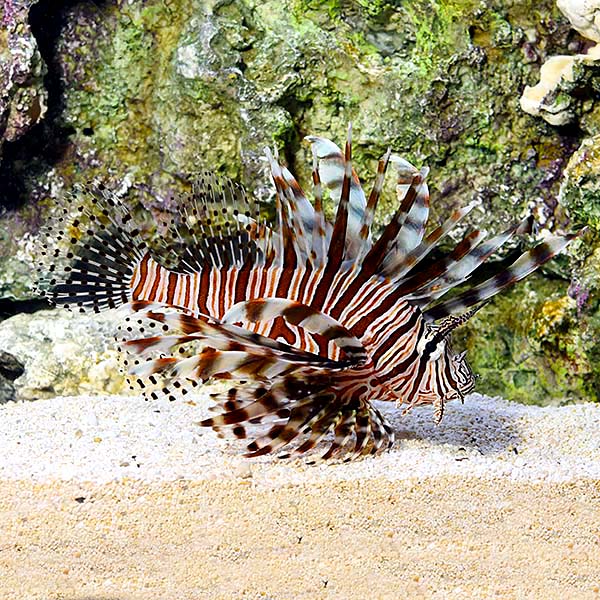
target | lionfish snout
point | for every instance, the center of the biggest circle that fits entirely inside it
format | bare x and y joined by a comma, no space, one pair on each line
463,374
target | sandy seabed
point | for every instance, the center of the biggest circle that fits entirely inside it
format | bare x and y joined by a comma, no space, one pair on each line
115,499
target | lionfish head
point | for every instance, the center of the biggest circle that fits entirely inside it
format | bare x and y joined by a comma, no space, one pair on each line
446,374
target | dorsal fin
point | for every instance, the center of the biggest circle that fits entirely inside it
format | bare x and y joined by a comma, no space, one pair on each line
458,271
523,266
289,252
320,236
301,219
332,167
439,267
337,245
399,265
305,213
373,261
413,226
369,214
218,225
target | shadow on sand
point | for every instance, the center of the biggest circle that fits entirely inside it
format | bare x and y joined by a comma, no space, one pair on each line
480,423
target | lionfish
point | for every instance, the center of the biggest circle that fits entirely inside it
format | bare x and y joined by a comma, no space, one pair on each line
312,320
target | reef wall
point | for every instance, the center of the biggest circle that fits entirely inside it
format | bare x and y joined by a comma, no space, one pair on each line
144,93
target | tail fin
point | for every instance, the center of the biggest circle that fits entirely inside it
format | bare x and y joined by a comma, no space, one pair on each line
91,253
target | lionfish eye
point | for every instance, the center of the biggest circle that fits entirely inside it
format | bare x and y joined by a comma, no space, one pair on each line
430,347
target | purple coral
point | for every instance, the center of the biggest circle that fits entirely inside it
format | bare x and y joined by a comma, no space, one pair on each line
580,295
8,16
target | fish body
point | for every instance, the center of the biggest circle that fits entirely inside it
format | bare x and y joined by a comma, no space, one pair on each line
388,328
312,320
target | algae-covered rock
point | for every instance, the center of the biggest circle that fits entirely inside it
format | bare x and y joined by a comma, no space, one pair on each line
23,98
536,344
149,92
580,195
10,369
159,90
23,104
558,98
580,190
584,15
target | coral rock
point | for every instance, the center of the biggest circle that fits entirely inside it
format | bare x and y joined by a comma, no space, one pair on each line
23,98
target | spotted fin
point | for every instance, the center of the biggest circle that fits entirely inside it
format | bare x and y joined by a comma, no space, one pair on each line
217,225
92,251
298,396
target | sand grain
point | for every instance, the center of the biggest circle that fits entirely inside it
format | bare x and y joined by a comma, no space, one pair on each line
107,499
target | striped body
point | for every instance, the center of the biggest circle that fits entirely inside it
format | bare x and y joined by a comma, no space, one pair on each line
389,328
311,320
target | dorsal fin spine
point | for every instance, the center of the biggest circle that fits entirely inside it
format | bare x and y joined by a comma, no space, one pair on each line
338,237
319,236
369,214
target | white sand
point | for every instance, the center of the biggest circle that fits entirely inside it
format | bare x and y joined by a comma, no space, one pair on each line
117,498
96,439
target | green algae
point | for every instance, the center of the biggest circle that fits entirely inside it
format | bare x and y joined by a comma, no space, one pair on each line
157,91
580,193
527,346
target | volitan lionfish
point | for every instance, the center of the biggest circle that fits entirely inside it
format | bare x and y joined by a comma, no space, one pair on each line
312,320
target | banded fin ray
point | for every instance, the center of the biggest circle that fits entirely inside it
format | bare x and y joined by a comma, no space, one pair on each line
303,316
431,273
373,262
339,250
321,230
369,212
223,336
415,219
523,266
302,206
400,263
332,171
292,249
458,271
210,363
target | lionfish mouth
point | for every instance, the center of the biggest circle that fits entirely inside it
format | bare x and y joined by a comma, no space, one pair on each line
309,319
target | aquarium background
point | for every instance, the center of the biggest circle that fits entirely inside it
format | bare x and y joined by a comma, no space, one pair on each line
143,94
